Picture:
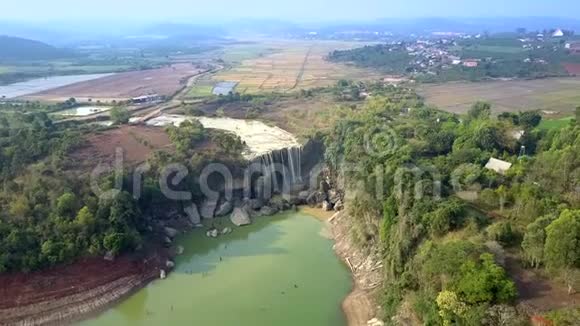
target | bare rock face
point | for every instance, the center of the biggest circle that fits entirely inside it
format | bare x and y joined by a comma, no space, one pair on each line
193,214
225,209
240,217
375,322
326,205
315,198
170,232
338,206
303,195
208,208
268,210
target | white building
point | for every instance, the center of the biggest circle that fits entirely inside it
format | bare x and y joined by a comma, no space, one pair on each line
558,33
498,166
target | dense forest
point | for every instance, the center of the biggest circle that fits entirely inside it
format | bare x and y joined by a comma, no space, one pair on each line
409,167
51,215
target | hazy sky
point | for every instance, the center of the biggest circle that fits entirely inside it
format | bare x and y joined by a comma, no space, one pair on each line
310,10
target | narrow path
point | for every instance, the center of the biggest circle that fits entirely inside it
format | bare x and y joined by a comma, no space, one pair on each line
150,111
302,68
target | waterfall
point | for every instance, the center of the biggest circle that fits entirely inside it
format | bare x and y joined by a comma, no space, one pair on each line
281,169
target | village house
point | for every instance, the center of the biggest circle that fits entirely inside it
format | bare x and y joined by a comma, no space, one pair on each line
498,166
471,63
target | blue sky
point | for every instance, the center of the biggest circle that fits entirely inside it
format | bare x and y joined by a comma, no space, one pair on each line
300,10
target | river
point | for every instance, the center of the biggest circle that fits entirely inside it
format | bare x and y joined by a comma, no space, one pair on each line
280,271
43,84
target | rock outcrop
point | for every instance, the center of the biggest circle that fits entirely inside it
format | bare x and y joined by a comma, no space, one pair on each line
170,232
208,208
268,210
240,217
193,214
225,208
213,233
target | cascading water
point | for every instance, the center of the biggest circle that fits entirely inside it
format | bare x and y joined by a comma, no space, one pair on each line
282,169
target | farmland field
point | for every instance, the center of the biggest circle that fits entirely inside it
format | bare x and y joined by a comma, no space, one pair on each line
122,86
554,123
559,95
284,66
136,142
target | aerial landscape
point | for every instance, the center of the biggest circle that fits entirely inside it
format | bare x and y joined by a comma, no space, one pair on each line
311,163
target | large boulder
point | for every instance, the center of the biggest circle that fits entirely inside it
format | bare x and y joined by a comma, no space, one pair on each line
338,206
254,204
208,208
240,217
213,233
170,232
193,214
315,198
268,210
224,209
279,203
303,196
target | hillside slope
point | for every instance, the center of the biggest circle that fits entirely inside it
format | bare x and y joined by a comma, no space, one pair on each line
15,48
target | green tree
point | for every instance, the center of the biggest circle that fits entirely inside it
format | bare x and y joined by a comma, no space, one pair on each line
114,242
530,119
502,193
186,135
479,110
120,115
484,282
67,205
534,239
562,249
19,207
85,218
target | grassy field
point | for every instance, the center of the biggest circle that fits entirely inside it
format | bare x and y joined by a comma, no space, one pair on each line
549,124
285,66
558,95
199,91
498,49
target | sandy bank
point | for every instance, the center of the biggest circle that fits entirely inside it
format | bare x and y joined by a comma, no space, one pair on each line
360,305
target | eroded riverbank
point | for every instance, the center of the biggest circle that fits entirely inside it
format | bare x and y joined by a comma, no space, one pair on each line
278,271
271,272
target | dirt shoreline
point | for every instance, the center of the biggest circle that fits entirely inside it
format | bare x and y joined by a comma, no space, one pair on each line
71,293
360,306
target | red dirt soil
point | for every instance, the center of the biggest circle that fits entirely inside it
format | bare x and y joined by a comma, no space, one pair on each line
163,81
21,289
572,68
137,144
538,294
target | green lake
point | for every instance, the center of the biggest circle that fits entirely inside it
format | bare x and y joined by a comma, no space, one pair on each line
278,271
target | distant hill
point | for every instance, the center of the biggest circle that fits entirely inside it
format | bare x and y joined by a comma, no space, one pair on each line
16,48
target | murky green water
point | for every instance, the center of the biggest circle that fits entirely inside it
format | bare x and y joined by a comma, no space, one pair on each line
278,271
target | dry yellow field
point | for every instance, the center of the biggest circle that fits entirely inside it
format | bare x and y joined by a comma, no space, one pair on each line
292,65
559,95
